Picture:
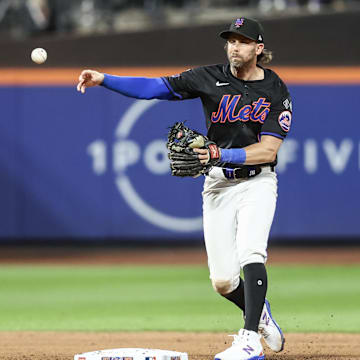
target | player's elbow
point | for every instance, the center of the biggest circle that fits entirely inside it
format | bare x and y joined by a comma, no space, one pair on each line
272,155
269,155
270,146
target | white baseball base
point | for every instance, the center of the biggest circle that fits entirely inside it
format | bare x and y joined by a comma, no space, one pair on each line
132,354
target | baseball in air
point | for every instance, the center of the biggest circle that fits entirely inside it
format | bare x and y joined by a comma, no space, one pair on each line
39,55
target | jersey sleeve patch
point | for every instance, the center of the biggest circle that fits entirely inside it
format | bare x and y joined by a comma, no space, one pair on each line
287,104
285,120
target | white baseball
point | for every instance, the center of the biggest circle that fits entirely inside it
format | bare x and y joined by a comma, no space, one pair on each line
39,55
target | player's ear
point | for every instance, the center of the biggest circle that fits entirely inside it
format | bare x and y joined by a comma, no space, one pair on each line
259,48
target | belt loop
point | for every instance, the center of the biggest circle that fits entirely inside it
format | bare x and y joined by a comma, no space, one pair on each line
229,173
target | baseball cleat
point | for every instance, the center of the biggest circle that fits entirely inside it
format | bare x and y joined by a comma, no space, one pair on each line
246,346
270,330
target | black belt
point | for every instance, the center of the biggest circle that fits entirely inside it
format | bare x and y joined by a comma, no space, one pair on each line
244,172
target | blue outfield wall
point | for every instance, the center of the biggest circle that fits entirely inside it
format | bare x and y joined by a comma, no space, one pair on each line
95,165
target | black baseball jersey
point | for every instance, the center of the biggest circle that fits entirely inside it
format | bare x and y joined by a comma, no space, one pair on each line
237,112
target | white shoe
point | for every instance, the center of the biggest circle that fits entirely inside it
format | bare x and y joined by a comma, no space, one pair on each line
246,346
270,330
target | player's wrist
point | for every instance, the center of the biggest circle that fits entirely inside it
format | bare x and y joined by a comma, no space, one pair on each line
235,156
105,79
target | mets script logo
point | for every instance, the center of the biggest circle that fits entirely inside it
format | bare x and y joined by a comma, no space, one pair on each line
257,112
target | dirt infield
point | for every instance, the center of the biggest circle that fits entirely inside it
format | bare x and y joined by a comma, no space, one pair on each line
199,346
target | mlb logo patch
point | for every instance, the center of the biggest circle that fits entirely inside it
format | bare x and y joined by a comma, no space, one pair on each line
239,22
285,120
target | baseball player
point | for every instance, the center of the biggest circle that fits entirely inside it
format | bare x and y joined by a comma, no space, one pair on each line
248,114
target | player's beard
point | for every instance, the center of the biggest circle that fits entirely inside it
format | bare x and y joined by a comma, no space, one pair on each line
238,62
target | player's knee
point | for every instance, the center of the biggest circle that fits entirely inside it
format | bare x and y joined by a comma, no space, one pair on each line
223,287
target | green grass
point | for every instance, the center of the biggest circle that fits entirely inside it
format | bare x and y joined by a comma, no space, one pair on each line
303,298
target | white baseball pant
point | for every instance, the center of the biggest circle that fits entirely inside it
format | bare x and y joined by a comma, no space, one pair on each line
237,219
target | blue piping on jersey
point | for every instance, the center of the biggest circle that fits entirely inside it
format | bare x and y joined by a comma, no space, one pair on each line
165,80
234,156
138,87
273,134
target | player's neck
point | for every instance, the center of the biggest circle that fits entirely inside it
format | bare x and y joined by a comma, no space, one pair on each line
247,72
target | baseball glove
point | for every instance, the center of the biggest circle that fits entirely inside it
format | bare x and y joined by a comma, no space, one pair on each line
183,160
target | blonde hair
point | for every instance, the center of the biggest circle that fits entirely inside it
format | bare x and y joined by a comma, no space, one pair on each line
265,57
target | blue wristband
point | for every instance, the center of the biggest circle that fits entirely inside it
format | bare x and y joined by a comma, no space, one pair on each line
234,156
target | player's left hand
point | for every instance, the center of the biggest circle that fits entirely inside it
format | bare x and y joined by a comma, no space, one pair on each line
190,152
211,153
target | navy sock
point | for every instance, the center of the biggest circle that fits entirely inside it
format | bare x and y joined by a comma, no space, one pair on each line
255,291
237,296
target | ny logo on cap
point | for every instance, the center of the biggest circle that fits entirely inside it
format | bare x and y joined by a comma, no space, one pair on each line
239,22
